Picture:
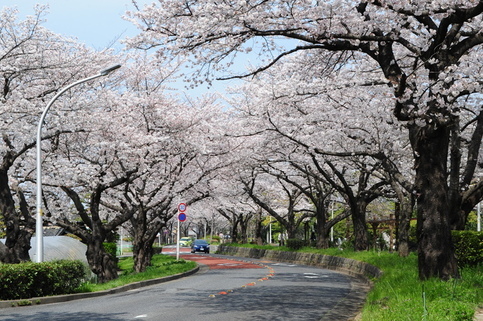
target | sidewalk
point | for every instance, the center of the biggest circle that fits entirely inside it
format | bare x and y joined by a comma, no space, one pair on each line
479,315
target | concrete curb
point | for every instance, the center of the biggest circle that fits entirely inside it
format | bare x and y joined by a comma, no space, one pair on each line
361,274
77,296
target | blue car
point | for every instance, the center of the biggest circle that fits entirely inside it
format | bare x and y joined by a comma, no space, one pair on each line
200,246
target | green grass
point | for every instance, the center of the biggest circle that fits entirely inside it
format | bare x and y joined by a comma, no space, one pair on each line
162,265
399,294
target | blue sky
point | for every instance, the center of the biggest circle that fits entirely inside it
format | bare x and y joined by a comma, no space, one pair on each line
96,23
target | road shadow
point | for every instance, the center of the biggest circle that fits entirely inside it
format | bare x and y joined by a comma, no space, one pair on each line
303,300
64,316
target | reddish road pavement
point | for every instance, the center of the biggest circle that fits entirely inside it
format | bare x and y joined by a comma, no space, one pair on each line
211,262
217,263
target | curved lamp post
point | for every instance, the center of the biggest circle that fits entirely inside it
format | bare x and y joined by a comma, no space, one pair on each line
39,231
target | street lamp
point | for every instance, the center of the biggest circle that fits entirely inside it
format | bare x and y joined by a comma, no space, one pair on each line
38,228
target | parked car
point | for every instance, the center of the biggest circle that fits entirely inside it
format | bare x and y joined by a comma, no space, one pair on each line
200,246
185,241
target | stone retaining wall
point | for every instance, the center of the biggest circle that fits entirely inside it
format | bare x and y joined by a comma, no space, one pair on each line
350,266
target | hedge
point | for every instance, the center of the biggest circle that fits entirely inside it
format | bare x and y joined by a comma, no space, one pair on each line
468,247
110,248
30,280
296,244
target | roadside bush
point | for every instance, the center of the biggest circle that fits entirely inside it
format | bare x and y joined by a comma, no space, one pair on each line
110,248
296,244
29,280
468,247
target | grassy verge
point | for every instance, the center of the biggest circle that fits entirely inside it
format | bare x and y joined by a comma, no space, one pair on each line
162,265
400,295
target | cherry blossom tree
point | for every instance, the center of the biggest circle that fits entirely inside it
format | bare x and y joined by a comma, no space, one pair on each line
91,165
203,218
228,200
428,52
179,146
93,230
281,200
126,158
98,156
286,103
34,63
238,215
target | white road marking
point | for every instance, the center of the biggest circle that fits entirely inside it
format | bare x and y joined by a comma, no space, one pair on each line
285,264
311,275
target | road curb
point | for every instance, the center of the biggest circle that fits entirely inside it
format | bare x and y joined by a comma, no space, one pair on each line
77,296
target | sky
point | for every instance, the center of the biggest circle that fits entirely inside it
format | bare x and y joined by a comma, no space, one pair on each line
96,23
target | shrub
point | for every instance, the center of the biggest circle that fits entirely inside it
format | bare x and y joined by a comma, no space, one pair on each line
110,248
468,247
157,249
28,280
296,244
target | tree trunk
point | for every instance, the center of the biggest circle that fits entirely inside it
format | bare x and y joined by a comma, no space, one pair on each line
361,239
244,230
322,238
258,228
144,235
234,230
101,262
143,241
142,255
322,232
403,224
18,234
436,256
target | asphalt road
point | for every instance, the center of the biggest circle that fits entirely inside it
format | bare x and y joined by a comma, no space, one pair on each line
225,289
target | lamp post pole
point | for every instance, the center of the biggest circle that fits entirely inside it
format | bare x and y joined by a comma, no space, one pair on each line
39,231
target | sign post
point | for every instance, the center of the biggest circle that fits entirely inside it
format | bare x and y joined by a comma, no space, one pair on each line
181,218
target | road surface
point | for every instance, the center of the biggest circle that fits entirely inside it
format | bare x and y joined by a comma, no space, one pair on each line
226,288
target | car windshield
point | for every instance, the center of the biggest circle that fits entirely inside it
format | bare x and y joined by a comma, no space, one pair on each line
201,242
